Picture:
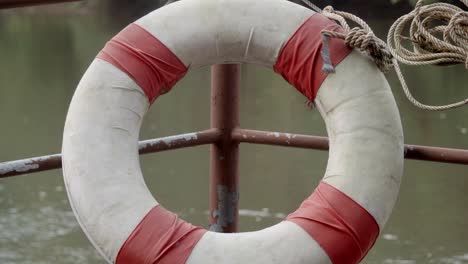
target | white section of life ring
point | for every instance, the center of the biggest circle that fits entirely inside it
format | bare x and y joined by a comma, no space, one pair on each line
100,159
366,138
223,31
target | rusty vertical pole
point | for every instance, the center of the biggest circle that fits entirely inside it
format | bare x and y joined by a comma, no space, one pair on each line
224,178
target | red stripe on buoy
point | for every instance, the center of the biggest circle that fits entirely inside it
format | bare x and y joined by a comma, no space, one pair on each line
145,59
300,61
162,238
342,227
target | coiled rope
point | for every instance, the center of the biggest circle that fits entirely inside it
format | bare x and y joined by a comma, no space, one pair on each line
438,33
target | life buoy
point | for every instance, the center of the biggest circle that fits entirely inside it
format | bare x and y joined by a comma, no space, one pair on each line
338,223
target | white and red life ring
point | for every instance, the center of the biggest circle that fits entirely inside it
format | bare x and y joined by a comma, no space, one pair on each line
337,224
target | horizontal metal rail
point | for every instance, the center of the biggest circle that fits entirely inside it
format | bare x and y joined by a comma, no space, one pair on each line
415,152
50,162
23,3
280,139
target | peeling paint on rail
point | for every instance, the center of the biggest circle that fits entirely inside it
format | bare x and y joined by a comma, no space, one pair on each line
30,165
25,166
174,139
18,166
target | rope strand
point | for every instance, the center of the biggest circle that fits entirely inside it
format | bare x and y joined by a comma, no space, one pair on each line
438,34
442,43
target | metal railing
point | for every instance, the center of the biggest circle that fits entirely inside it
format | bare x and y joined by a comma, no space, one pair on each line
238,135
225,135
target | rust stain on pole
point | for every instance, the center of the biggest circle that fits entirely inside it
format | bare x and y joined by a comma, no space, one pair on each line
26,166
224,178
24,3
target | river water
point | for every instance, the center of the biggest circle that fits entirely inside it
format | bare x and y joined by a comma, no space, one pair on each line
42,59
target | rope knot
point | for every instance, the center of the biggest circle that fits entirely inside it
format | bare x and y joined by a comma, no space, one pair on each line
362,40
367,42
328,9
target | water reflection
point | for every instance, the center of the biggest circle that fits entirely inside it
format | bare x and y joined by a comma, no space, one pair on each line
43,58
